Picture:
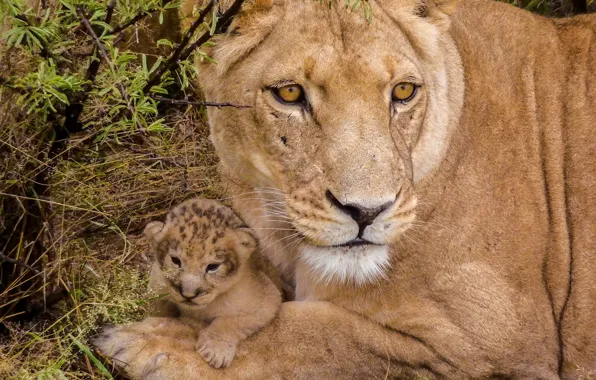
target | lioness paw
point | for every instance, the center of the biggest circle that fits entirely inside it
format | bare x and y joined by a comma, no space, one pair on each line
130,350
218,353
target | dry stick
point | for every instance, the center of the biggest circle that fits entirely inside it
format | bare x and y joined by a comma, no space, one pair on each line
175,57
94,65
222,26
137,18
103,51
3,257
192,103
110,11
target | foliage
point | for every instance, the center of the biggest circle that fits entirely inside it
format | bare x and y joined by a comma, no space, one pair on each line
89,153
87,157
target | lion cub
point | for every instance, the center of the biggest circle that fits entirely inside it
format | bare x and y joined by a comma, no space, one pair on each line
208,263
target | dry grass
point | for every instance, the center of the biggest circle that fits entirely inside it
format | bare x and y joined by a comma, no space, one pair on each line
102,197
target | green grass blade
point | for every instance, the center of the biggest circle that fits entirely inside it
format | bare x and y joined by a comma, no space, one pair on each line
90,355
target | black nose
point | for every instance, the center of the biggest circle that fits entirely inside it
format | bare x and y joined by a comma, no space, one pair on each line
363,216
190,295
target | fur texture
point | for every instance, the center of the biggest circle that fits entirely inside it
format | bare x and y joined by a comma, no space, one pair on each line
208,264
496,152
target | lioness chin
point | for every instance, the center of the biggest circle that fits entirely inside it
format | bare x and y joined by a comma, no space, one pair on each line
445,131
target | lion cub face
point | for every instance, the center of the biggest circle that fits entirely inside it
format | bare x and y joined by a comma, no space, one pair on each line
202,250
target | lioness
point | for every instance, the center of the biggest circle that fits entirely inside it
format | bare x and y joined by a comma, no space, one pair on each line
432,178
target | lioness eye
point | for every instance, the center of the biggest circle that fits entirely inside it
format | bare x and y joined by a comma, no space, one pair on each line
404,91
176,261
211,268
292,93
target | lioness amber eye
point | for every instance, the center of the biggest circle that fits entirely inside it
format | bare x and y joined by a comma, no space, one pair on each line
291,93
404,91
211,268
176,261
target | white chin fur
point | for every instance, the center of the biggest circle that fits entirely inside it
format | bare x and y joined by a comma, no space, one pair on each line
359,265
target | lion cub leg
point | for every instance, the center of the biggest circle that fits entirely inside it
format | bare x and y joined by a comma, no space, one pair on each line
218,342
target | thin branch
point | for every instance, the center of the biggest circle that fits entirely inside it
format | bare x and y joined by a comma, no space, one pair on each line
3,257
137,18
104,53
174,59
182,102
222,26
110,11
94,65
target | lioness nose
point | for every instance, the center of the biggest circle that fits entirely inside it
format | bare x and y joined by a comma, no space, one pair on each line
363,216
190,294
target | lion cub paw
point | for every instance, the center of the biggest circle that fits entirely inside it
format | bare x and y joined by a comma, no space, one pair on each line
218,353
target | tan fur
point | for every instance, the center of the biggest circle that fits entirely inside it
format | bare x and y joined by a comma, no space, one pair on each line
235,300
495,276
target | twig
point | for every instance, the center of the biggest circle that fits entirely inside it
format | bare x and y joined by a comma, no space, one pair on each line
182,102
137,18
3,257
110,11
94,65
222,26
104,53
174,59
181,53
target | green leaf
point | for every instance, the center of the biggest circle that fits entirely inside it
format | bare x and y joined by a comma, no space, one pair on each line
166,42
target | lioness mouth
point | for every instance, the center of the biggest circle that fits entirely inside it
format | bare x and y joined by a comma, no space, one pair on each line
355,243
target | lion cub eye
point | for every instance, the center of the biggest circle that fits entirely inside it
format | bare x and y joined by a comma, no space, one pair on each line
291,93
176,261
404,92
212,268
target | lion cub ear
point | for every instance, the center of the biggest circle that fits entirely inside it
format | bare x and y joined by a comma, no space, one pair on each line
154,232
246,242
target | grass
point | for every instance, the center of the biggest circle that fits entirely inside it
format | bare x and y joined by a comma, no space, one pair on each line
102,197
72,208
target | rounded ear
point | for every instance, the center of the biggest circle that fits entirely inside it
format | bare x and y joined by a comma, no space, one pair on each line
247,241
154,232
248,29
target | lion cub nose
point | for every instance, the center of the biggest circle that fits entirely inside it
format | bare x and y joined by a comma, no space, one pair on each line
188,295
363,216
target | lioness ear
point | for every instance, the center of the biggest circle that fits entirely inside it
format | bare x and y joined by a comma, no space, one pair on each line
248,29
154,232
437,12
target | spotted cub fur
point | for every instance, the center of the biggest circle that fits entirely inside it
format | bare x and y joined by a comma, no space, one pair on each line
209,266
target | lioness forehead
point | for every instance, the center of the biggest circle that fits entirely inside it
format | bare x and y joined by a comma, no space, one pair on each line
332,47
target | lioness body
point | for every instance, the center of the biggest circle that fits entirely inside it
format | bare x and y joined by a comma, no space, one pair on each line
495,278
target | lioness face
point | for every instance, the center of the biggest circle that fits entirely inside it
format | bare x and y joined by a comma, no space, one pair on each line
341,115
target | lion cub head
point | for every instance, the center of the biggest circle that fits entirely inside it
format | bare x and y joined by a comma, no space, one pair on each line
202,250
